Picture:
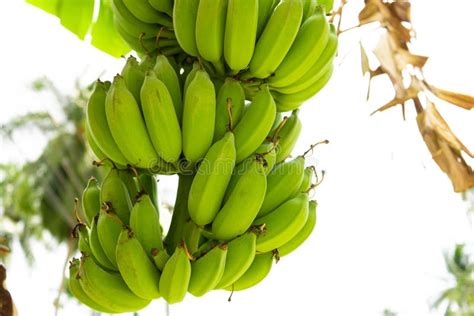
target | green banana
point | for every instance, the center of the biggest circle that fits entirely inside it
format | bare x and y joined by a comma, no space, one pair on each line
139,44
160,257
184,24
175,277
207,271
259,269
265,9
309,44
133,75
283,182
190,76
255,124
277,38
143,11
309,7
191,236
165,6
91,200
78,292
317,69
96,120
211,180
283,223
147,63
115,194
136,268
160,118
109,227
130,182
108,289
231,89
98,153
266,153
326,4
150,186
303,234
210,27
145,223
240,255
96,248
307,179
130,23
242,204
81,232
288,136
166,73
127,126
198,116
240,33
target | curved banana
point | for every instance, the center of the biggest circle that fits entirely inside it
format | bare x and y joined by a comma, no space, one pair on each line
143,11
309,7
130,23
198,116
165,6
175,277
231,91
283,223
189,78
81,232
266,153
211,180
133,75
109,227
127,126
283,182
210,27
145,223
207,271
184,24
91,200
259,269
240,33
166,73
277,38
78,292
240,255
255,124
326,4
160,118
98,153
307,179
303,234
129,180
96,248
108,289
288,136
160,257
150,186
115,194
96,120
136,268
139,44
265,9
242,203
308,46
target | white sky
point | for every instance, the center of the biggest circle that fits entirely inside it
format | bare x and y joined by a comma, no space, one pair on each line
386,213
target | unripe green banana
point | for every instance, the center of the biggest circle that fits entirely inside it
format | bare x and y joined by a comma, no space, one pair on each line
133,75
255,124
276,124
160,257
147,63
265,9
108,289
283,223
326,4
150,186
130,23
308,46
288,136
303,234
160,118
259,269
96,121
98,153
139,44
266,153
240,255
78,292
240,33
81,232
166,73
309,7
210,26
196,66
145,223
127,126
191,236
277,38
114,193
165,6
207,270
198,116
307,179
184,22
96,248
283,183
231,89
91,200
130,182
109,227
143,11
211,180
242,205
136,268
175,277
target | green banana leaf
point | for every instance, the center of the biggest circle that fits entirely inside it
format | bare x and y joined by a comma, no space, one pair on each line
79,17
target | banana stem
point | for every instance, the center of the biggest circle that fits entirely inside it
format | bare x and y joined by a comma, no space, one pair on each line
180,213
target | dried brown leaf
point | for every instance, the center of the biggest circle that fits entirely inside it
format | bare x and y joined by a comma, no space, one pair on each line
408,94
402,9
461,100
364,60
370,13
445,148
384,53
408,58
